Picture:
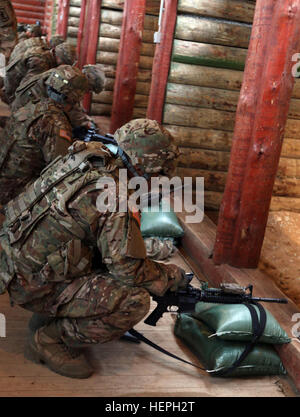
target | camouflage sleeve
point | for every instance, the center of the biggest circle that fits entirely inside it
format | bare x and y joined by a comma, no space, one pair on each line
36,64
79,117
8,28
53,134
123,252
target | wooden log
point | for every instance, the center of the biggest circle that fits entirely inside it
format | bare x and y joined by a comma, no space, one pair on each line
62,18
114,17
201,138
213,180
285,203
98,109
152,6
128,63
161,63
239,10
112,45
204,159
207,30
212,98
271,111
141,87
209,55
197,117
112,31
189,74
220,140
75,11
106,97
111,58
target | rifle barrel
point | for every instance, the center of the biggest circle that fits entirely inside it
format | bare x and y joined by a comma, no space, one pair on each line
271,300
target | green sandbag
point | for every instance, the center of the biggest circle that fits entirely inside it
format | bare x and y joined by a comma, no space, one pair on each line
160,221
233,322
217,355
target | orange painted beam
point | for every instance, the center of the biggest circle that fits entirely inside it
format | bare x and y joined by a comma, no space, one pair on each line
255,156
128,63
161,62
63,17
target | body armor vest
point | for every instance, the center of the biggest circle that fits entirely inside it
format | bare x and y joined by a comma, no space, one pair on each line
63,246
21,158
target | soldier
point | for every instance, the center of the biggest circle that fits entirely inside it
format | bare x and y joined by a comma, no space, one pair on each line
84,268
8,28
39,132
33,57
35,89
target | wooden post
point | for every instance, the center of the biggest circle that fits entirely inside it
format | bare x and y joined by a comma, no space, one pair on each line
264,106
161,63
89,41
128,63
62,18
81,32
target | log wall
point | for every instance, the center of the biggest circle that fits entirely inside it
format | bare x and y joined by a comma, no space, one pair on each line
206,72
209,53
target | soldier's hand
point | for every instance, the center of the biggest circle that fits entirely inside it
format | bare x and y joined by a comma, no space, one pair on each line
178,277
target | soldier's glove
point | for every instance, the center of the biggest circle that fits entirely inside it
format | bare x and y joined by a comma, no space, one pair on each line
178,277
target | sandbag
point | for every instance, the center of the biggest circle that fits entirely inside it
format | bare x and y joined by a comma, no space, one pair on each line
160,221
218,355
233,322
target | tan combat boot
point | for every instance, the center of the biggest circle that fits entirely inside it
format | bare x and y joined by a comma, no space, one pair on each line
46,346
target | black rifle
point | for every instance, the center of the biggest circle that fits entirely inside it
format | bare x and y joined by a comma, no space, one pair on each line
186,299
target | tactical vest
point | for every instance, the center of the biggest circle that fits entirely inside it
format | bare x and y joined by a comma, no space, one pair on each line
32,90
21,158
23,46
71,249
17,70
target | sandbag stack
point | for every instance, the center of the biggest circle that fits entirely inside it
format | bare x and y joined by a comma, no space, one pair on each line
219,333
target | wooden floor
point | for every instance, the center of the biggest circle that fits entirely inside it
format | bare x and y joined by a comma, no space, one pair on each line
122,368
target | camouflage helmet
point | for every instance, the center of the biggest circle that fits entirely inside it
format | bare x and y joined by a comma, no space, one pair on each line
95,76
66,84
149,146
65,53
56,40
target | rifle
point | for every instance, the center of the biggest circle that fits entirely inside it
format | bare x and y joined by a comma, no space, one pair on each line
185,299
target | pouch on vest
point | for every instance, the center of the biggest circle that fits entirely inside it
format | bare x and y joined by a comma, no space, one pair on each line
71,260
219,355
233,322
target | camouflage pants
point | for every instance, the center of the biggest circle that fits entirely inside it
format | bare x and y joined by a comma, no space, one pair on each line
100,310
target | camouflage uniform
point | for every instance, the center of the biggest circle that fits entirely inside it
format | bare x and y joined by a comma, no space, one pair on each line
35,135
35,89
64,258
33,57
52,253
8,28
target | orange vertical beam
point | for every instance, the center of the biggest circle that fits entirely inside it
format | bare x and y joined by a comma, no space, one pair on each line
128,63
62,18
89,40
81,32
246,217
161,63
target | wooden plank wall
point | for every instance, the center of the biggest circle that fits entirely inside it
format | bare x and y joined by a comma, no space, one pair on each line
110,31
29,11
209,53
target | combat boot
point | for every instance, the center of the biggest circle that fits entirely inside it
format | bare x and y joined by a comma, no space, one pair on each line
37,321
46,346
